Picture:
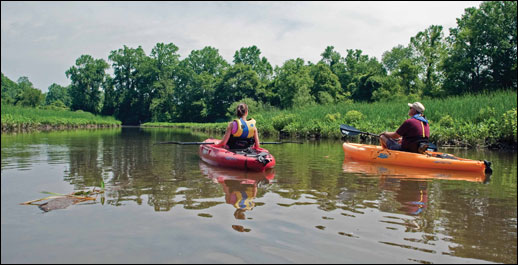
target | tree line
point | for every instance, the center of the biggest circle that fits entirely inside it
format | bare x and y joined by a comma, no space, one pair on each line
480,54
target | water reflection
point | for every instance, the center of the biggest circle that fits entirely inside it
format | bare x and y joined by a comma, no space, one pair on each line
240,187
400,172
408,184
424,215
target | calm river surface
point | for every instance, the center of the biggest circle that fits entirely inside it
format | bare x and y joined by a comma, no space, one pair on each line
162,205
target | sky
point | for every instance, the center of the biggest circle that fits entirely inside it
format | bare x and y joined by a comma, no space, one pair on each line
42,40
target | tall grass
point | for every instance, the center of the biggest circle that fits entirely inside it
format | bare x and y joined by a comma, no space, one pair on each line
17,117
470,120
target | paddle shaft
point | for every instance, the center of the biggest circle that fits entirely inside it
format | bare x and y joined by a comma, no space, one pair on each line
199,143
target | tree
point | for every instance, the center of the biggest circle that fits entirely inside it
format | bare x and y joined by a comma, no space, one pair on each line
197,78
238,82
429,49
28,96
166,61
134,75
326,87
252,56
57,92
392,58
87,76
293,83
10,90
111,97
482,49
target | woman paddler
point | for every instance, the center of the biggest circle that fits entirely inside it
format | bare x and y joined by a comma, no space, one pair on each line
241,133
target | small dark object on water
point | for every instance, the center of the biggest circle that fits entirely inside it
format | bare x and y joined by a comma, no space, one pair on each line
58,203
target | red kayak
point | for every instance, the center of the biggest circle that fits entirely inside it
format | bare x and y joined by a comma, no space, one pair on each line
254,159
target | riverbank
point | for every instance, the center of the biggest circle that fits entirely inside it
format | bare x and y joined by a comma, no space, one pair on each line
484,120
23,119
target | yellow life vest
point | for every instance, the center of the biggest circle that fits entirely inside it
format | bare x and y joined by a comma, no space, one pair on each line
244,198
245,129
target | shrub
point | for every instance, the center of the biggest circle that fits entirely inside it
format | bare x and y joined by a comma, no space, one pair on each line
509,124
485,114
446,121
353,117
280,121
332,117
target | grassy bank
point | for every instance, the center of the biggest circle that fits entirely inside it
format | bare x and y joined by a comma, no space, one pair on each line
16,118
469,120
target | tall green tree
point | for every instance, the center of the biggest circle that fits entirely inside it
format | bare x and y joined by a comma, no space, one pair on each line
430,48
391,59
197,78
134,75
87,76
326,87
111,97
252,56
482,49
166,61
28,96
10,90
58,93
238,82
361,75
293,83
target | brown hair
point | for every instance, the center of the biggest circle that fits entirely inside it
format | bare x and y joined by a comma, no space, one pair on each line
241,110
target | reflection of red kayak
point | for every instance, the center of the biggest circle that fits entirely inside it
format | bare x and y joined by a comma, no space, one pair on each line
394,171
220,174
252,159
432,160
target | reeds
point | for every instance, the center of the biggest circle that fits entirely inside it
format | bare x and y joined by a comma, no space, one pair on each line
24,118
487,119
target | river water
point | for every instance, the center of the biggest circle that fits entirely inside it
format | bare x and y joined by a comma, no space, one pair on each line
163,205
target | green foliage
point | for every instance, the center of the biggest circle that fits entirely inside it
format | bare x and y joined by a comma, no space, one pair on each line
479,55
446,121
485,114
353,117
252,56
333,117
253,108
87,76
18,117
281,121
509,126
293,82
58,93
10,90
482,54
461,129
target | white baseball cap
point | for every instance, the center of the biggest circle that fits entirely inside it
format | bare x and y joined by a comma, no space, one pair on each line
417,106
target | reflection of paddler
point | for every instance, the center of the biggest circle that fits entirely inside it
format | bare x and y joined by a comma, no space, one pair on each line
413,196
241,196
240,187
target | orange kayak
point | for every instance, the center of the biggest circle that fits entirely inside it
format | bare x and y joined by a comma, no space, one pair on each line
432,160
404,172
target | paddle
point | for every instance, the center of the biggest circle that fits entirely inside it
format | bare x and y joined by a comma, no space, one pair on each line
351,131
199,143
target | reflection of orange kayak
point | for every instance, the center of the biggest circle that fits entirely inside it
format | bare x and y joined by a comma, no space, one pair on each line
394,171
220,174
432,160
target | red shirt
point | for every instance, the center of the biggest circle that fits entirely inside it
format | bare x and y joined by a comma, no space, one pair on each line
412,130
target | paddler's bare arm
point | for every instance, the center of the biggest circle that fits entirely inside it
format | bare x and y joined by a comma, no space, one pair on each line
223,142
392,135
256,138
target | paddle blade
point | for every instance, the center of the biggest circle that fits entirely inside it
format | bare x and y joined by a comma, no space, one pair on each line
348,130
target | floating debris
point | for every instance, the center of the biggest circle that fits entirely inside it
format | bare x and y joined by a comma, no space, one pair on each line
62,201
